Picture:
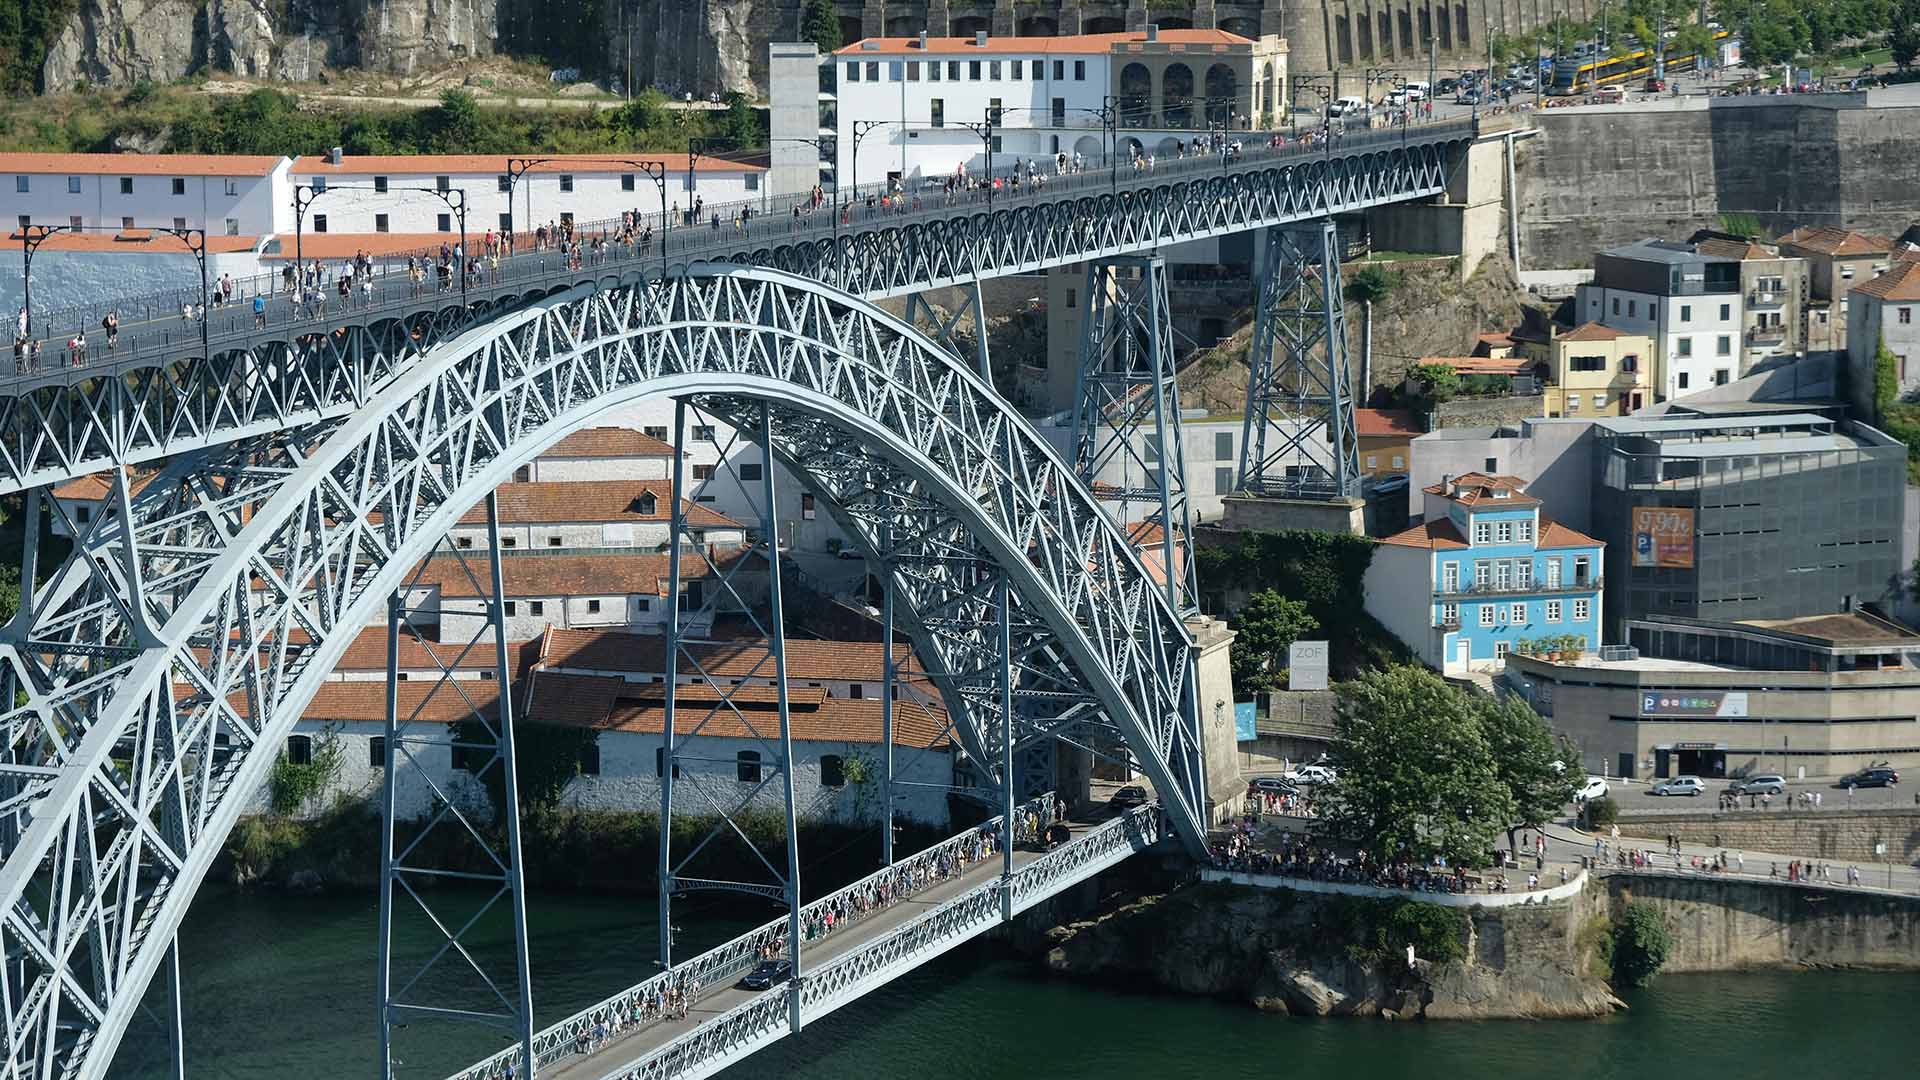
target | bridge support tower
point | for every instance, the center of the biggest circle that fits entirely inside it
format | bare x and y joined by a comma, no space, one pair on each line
445,836
1298,442
1128,447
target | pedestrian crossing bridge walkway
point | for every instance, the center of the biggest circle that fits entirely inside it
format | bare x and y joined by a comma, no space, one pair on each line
956,898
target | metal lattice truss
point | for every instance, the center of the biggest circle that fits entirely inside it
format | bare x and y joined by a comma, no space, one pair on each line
1298,440
1126,414
161,668
64,424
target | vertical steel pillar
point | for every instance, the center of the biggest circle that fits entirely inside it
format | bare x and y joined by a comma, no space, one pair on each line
887,677
1298,439
941,327
1126,414
487,740
1006,749
777,644
669,766
516,879
176,1028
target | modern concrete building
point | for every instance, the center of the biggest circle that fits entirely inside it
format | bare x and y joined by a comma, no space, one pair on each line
1818,695
1770,515
1463,589
1881,312
901,106
1595,370
1686,300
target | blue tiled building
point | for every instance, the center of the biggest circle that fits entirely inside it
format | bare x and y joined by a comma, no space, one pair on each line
1483,572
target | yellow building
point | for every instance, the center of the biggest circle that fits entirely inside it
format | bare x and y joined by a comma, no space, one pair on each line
1595,370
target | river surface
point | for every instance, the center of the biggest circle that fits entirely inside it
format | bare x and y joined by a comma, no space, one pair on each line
277,987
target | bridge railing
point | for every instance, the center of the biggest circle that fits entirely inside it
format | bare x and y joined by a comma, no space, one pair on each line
850,904
396,294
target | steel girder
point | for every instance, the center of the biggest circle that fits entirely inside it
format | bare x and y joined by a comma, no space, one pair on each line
167,660
65,424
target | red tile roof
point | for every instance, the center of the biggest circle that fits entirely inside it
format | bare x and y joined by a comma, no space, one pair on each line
1078,44
136,242
1732,249
97,486
492,165
439,702
1900,282
1376,423
612,501
624,652
1483,365
609,442
593,702
1593,331
140,164
1829,240
1432,535
1475,488
615,572
1555,535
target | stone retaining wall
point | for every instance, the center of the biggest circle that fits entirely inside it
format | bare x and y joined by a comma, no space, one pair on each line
1717,924
1832,835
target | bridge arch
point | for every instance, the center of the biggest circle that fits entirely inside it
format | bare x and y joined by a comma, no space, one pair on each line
312,529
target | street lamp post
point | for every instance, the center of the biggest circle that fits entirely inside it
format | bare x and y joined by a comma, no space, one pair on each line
654,169
860,130
31,237
304,196
986,132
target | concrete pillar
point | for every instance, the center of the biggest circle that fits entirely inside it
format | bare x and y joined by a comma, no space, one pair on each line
1003,20
1137,15
873,18
939,23
793,82
1070,19
1213,694
1204,15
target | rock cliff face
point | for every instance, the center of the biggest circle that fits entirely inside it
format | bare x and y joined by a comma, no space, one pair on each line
695,46
1291,953
121,42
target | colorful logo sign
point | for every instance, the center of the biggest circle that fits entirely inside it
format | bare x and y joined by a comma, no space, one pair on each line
1663,536
1693,703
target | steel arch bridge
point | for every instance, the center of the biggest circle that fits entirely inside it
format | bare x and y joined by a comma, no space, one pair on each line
166,661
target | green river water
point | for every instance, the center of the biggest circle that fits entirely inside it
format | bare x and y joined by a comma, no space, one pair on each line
278,987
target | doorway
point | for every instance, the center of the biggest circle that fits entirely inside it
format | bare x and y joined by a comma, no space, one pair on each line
1706,764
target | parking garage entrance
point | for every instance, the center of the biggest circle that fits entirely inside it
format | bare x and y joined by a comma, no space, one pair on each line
1705,760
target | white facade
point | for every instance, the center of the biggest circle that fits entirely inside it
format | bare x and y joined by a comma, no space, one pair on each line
395,194
1696,339
1892,319
223,196
1211,449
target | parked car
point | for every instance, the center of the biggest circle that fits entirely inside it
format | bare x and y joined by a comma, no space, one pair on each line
1468,96
1313,774
1679,785
1418,90
1610,95
1871,776
1446,86
1527,82
1272,785
766,975
1594,788
848,553
1656,86
1759,784
1128,797
1346,105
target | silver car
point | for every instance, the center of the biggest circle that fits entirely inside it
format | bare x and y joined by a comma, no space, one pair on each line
1761,784
1679,785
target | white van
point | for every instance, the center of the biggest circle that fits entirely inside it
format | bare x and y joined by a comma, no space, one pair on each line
1344,106
1417,91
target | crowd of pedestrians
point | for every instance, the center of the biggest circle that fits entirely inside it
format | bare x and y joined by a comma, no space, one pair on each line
1296,856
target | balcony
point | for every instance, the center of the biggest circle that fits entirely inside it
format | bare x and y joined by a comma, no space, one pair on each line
1447,624
1766,300
1767,336
1531,588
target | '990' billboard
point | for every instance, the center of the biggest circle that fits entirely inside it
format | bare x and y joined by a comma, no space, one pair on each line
1663,536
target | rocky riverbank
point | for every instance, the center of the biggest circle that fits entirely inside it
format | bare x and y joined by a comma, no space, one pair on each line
1302,954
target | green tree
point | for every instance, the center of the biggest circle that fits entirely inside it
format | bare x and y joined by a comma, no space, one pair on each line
1640,945
1437,382
1417,775
1263,630
822,25
1525,754
1903,36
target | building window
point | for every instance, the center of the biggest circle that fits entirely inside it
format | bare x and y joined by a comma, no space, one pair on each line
703,433
379,223
1373,462
1906,315
1616,305
933,71
566,182
1582,566
937,111
1483,532
1633,309
1222,480
973,71
1581,610
873,71
1500,649
73,185
660,763
1726,312
1723,345
1720,376
126,222
443,183
503,182
1223,446
746,766
1060,70
913,71
703,472
299,749
1599,401
319,223
1686,312
506,223
590,758
1450,614
833,771
1079,71
1522,530
853,71
1450,577
536,607
1684,346
1553,611
319,185
593,607
626,181
233,226
377,752
513,607
1518,614
1486,614
446,222
179,186
750,470
1503,532
1630,363
953,71
807,512
1589,363
1681,381
179,223
553,541
380,184
463,541
1039,70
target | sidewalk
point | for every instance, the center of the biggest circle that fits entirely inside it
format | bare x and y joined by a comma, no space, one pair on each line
1756,866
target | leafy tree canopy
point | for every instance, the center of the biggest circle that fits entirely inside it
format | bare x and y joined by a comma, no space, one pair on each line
1263,630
